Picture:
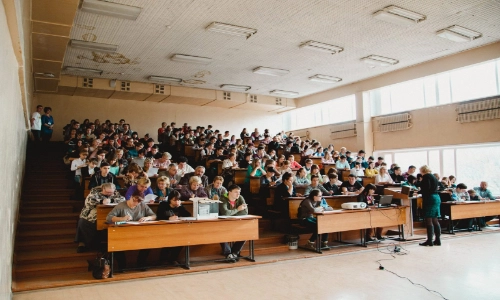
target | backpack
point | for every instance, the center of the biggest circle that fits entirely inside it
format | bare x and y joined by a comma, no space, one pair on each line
100,266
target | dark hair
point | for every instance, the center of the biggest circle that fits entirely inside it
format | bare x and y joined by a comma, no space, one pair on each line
150,140
314,177
46,109
461,186
286,176
182,159
352,175
313,193
411,179
396,168
104,164
233,187
369,187
173,194
361,151
380,158
332,175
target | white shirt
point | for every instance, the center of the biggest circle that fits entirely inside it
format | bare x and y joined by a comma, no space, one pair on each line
187,169
385,178
75,164
37,123
357,172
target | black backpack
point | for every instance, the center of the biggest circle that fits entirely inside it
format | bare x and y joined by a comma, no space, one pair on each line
100,266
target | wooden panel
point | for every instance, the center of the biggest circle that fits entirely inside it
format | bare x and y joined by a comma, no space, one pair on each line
254,184
50,28
49,47
189,152
473,209
181,233
89,92
240,175
129,96
315,160
368,180
54,11
45,66
156,98
66,90
360,219
327,167
46,84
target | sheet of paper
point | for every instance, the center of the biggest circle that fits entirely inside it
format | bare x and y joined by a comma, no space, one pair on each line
187,218
152,172
150,197
133,222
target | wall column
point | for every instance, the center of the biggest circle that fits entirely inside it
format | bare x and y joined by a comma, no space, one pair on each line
363,123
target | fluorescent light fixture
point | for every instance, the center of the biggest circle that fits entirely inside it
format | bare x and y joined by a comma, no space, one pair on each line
111,9
270,71
83,70
231,29
458,34
283,93
48,75
398,15
191,59
93,46
325,78
235,87
321,47
379,60
164,79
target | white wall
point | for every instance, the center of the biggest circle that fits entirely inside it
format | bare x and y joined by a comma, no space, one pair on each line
13,137
146,117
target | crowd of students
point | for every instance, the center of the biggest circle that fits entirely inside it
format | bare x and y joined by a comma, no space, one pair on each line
107,150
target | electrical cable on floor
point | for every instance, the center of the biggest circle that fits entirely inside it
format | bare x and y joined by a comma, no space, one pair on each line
399,250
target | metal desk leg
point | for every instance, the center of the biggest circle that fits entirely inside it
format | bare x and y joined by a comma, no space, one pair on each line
252,251
402,232
112,264
186,264
451,229
363,237
318,243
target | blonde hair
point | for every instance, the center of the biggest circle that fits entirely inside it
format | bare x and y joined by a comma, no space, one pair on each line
194,179
425,169
167,155
144,181
219,178
163,179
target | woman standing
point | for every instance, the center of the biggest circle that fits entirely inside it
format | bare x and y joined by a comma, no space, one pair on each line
313,203
47,125
431,205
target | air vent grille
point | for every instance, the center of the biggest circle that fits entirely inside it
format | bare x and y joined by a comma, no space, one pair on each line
125,86
159,89
226,95
88,82
253,98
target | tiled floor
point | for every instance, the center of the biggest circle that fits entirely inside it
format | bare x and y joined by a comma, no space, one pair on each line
463,268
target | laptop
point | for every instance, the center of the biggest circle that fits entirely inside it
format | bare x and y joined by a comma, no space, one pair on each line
445,197
406,190
385,200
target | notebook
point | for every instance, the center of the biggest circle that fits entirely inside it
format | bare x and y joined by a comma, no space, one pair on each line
385,200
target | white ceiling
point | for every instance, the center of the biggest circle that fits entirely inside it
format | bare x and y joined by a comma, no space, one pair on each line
178,26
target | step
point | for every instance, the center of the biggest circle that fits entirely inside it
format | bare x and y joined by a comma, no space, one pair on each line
51,203
42,225
45,198
68,233
39,256
57,243
51,268
62,208
49,216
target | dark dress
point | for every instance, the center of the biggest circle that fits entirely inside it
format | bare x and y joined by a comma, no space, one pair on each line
431,201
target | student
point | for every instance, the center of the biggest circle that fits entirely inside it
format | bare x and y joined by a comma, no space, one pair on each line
78,164
142,187
315,171
371,171
342,164
233,204
473,196
47,125
256,169
36,123
103,176
410,182
134,209
285,189
86,232
315,185
367,197
301,178
313,203
171,210
193,189
460,193
357,170
396,175
199,172
162,189
352,186
332,185
483,192
215,190
383,177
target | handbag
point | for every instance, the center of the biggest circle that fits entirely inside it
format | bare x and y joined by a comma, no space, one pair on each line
100,266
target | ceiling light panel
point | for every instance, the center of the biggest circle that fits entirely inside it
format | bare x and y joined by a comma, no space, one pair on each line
313,45
235,87
93,46
191,59
111,9
379,60
458,34
231,29
398,15
283,93
270,71
165,79
325,78
83,70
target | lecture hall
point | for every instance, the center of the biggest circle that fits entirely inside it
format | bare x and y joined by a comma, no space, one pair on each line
221,148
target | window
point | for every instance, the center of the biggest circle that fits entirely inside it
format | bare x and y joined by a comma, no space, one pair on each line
330,112
470,164
468,83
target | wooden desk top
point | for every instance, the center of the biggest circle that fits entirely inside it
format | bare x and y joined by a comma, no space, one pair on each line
470,202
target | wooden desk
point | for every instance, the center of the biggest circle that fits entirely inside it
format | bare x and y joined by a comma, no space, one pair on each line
188,151
469,209
316,160
149,235
239,175
360,219
197,154
334,201
368,180
254,184
327,168
104,210
297,157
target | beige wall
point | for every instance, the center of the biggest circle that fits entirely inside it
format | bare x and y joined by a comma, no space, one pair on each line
437,126
13,136
322,134
146,117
